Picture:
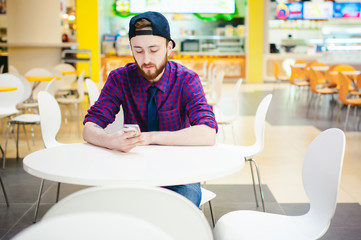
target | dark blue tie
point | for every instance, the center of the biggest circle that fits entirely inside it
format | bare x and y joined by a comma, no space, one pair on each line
152,110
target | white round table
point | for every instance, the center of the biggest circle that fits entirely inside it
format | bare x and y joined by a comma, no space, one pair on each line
86,164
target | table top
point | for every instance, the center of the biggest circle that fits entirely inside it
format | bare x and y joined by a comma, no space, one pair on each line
93,225
68,72
7,88
40,78
86,164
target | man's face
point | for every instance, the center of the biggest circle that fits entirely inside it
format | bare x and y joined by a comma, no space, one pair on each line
151,55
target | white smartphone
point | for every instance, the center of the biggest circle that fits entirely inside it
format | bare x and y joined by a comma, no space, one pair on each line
132,127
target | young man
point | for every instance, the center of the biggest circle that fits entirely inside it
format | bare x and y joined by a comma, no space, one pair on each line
164,98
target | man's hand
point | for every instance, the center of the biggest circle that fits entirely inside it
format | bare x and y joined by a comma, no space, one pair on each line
124,141
120,140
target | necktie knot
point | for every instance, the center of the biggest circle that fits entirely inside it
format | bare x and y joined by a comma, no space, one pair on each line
152,91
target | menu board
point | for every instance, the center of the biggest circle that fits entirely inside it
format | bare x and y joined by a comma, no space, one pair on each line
183,6
317,10
346,10
289,10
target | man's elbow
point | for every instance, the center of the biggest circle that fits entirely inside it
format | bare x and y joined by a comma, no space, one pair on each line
210,140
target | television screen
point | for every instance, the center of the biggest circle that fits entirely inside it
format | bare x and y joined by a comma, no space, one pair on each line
317,10
289,10
346,10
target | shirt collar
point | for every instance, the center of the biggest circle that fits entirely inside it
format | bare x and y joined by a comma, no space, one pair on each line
162,84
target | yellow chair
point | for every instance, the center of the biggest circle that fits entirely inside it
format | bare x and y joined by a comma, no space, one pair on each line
343,93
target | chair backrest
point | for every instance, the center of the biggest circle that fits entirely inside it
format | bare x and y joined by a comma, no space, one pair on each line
50,118
13,70
52,87
344,84
93,91
27,86
316,78
167,210
205,69
236,97
93,226
358,81
321,175
260,121
276,70
218,76
39,72
9,100
80,86
69,73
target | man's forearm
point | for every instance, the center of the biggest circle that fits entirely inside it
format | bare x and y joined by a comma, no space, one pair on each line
199,135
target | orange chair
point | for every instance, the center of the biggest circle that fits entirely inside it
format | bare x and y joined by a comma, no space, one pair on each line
358,85
331,79
344,91
277,72
343,67
316,79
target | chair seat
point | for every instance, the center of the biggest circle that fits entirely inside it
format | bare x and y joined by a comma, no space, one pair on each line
68,100
356,93
326,91
242,225
26,118
354,101
303,83
5,112
206,196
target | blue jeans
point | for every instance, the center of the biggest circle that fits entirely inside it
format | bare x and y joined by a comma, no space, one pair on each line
191,191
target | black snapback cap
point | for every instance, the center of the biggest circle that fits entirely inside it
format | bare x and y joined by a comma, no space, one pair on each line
160,26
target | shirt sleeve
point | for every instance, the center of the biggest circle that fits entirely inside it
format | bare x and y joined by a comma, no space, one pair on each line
104,110
199,111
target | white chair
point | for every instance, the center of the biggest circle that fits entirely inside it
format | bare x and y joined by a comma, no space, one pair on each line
75,100
249,152
69,74
13,70
214,95
207,196
9,100
93,226
38,86
174,214
50,122
321,179
223,120
23,119
93,94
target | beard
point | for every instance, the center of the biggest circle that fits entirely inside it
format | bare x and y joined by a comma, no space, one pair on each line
150,75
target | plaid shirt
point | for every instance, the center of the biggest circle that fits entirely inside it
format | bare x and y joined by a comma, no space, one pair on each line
180,99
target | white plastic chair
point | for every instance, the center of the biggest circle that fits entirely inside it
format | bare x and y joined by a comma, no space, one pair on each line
50,122
9,101
13,70
207,196
69,74
249,152
223,120
93,226
93,96
214,95
321,180
76,100
174,214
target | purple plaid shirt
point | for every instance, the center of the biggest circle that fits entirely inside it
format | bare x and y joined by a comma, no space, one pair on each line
180,99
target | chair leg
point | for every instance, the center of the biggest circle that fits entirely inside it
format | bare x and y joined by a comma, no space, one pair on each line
17,142
57,192
39,198
6,144
4,191
338,114
211,210
26,136
254,185
259,182
347,113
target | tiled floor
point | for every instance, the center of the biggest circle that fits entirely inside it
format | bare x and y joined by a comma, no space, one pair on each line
288,134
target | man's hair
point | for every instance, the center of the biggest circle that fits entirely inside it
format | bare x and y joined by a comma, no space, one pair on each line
142,23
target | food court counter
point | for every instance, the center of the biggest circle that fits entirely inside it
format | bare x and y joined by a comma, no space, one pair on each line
232,64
